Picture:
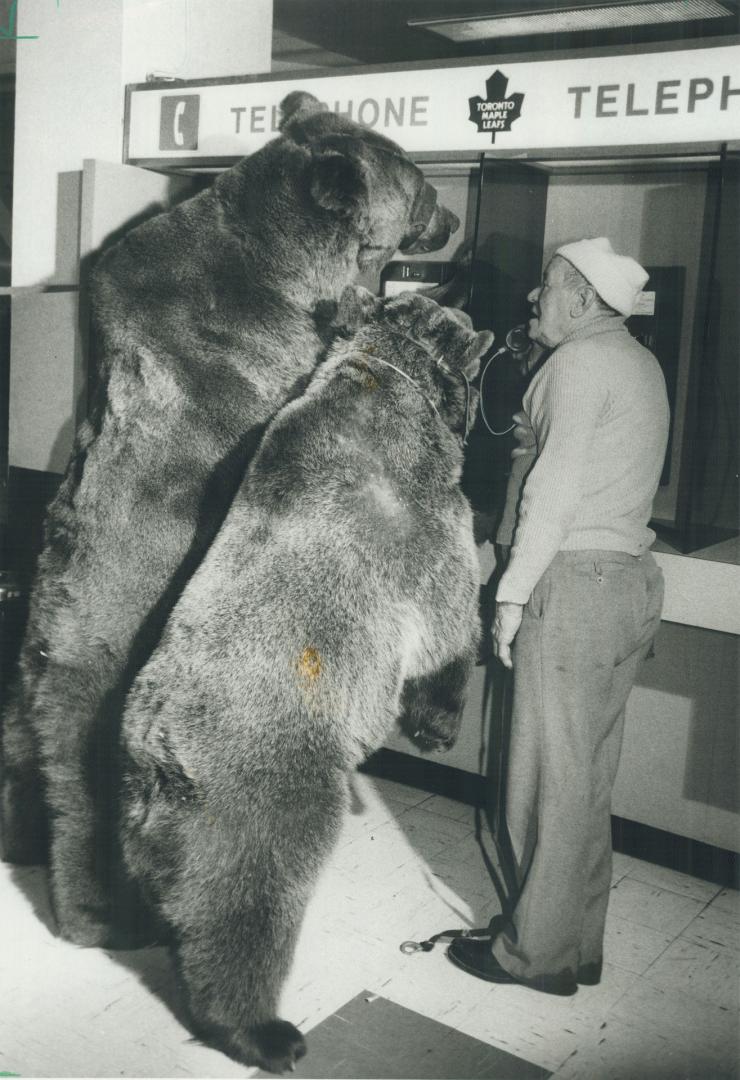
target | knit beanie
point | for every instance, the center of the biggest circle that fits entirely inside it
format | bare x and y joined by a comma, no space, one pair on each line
618,279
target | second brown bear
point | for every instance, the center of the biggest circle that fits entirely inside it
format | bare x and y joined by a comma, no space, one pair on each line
341,589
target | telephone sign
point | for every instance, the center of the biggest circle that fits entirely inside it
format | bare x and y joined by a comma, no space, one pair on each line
178,122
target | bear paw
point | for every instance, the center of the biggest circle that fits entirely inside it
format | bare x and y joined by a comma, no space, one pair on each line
275,1045
278,1044
436,730
440,735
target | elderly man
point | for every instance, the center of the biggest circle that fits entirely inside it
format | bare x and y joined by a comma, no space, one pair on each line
580,600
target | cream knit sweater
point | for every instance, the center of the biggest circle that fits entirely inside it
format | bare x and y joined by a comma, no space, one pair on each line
599,413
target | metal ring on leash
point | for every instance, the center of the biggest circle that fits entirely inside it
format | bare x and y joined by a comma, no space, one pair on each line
411,947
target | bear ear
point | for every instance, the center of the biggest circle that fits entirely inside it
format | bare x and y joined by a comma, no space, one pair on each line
297,106
337,183
469,362
356,307
461,351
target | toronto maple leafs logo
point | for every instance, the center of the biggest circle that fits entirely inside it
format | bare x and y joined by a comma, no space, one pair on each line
495,112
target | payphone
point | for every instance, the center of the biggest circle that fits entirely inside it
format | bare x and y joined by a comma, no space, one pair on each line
521,213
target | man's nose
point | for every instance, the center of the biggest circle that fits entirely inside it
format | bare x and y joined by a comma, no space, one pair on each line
534,295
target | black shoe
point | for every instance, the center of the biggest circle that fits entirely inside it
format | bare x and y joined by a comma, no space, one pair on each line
474,956
590,974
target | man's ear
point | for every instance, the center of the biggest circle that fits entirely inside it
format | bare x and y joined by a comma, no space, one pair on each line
585,295
338,183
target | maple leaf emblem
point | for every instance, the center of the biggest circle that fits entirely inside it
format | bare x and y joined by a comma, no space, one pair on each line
495,112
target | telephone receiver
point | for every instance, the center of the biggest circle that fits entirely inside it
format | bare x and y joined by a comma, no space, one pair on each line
518,340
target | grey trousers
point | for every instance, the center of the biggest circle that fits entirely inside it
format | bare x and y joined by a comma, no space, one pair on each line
586,629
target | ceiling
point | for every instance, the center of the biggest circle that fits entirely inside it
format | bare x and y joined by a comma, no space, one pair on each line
342,33
333,33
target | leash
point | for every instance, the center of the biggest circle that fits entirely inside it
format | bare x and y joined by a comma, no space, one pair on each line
405,374
504,882
411,947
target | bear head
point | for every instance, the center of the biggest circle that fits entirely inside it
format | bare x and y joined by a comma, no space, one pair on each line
368,180
435,347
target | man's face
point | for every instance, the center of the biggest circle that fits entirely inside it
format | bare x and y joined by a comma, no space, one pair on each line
551,305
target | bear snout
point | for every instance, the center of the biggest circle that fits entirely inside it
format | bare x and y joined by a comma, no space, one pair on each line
433,224
442,224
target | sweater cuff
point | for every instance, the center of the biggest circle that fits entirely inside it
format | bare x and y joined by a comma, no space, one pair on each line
511,590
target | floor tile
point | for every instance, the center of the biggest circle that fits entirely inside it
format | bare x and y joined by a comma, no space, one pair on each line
507,1027
706,972
622,1050
593,1002
408,795
657,908
673,881
701,1029
728,900
543,1028
451,808
418,819
631,946
464,871
716,926
374,852
371,814
430,983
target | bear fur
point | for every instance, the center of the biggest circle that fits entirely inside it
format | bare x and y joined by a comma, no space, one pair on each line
205,321
339,595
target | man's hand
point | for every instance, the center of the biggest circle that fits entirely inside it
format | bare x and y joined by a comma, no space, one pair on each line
506,624
524,435
530,357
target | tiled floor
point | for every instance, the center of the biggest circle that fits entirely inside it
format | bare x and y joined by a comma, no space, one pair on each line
407,866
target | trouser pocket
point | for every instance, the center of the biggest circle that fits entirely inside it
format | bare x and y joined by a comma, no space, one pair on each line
655,592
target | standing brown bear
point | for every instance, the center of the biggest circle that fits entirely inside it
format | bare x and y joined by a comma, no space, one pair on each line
341,588
205,326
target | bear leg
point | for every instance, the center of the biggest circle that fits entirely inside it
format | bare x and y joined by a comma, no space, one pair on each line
24,835
232,891
76,722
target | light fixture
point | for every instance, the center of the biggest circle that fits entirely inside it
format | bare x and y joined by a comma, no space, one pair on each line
613,16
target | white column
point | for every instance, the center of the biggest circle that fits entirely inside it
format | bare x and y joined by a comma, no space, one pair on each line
74,58
68,106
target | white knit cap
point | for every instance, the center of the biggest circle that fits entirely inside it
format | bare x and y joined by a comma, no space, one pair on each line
618,279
